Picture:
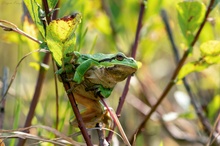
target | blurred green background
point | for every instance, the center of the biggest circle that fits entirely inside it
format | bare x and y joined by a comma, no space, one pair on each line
110,27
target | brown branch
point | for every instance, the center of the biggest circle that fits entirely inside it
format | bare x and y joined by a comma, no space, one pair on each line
215,132
47,11
101,135
172,80
38,88
133,53
41,77
206,124
76,112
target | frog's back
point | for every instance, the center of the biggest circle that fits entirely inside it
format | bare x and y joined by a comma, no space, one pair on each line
101,56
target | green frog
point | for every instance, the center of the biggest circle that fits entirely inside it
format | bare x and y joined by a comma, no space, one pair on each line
95,76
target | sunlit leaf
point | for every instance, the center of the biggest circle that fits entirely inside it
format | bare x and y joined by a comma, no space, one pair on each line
52,3
190,16
192,67
210,51
210,54
212,59
61,36
210,48
36,13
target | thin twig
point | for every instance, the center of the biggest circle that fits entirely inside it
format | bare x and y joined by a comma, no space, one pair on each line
172,80
56,94
8,26
206,124
38,88
101,136
133,53
182,136
54,16
23,135
216,135
36,96
116,121
16,69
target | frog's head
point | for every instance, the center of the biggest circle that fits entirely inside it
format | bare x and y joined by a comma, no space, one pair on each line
120,66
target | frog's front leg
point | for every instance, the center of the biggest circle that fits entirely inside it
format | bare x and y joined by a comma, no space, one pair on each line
92,114
99,90
68,63
82,69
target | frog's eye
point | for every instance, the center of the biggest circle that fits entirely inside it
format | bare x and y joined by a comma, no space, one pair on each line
119,57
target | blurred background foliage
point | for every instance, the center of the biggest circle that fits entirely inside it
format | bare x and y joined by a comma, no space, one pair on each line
109,27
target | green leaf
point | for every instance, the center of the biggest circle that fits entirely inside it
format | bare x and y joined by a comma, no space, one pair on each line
191,67
61,37
190,16
210,51
52,3
210,54
210,48
36,13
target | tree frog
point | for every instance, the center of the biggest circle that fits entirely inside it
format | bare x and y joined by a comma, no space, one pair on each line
92,76
104,70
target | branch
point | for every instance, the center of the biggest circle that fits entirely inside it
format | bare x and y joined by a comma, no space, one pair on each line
133,53
101,134
182,136
206,124
172,80
76,112
8,26
38,88
213,132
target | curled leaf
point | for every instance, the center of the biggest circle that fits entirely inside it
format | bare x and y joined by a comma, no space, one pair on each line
61,36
